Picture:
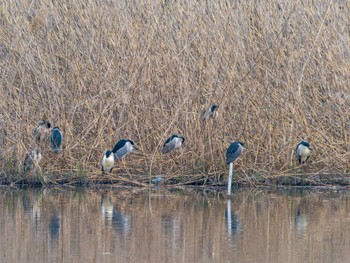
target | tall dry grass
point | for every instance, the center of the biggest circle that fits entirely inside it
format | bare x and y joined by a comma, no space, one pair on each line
106,70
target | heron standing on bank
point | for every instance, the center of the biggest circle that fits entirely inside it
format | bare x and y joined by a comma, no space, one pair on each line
32,160
56,139
211,112
232,153
43,127
172,143
122,148
107,162
303,152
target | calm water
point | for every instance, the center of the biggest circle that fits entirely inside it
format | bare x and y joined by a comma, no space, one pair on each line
134,225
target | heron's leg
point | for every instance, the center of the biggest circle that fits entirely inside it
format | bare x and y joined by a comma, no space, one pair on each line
171,161
124,164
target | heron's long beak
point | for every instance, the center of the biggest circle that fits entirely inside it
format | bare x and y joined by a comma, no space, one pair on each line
136,147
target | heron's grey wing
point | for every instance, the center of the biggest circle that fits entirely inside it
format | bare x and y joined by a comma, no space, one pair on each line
121,152
233,152
118,146
233,147
28,161
169,146
57,139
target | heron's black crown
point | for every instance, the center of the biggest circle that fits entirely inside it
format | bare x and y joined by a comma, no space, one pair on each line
214,107
306,144
241,143
108,153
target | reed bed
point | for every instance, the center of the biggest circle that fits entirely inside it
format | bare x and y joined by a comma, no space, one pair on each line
106,70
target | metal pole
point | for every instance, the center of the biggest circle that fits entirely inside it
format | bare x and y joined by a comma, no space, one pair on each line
230,179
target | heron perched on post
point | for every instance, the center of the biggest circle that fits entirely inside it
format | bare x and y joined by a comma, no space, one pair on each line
32,159
56,139
43,127
172,143
232,153
122,148
211,112
303,151
108,162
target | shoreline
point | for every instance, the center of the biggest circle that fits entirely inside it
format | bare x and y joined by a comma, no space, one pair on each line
201,181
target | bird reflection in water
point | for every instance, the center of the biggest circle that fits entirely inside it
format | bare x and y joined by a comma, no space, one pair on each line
232,221
171,228
107,208
54,228
122,222
31,207
301,222
36,214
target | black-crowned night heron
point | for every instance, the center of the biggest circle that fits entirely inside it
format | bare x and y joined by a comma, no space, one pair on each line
211,112
43,127
303,152
232,153
122,222
172,143
107,162
32,160
56,139
122,148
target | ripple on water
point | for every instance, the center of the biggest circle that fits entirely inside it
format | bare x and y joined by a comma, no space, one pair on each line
128,225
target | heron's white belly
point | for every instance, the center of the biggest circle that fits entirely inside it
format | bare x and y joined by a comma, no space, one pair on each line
303,152
178,142
109,162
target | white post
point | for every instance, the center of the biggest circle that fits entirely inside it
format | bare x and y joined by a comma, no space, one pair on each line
230,179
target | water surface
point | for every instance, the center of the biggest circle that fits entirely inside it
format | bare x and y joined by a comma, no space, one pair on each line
136,225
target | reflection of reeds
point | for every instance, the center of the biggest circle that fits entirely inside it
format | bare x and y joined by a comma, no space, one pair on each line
171,226
106,71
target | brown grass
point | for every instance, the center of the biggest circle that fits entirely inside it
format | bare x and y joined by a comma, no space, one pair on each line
106,70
